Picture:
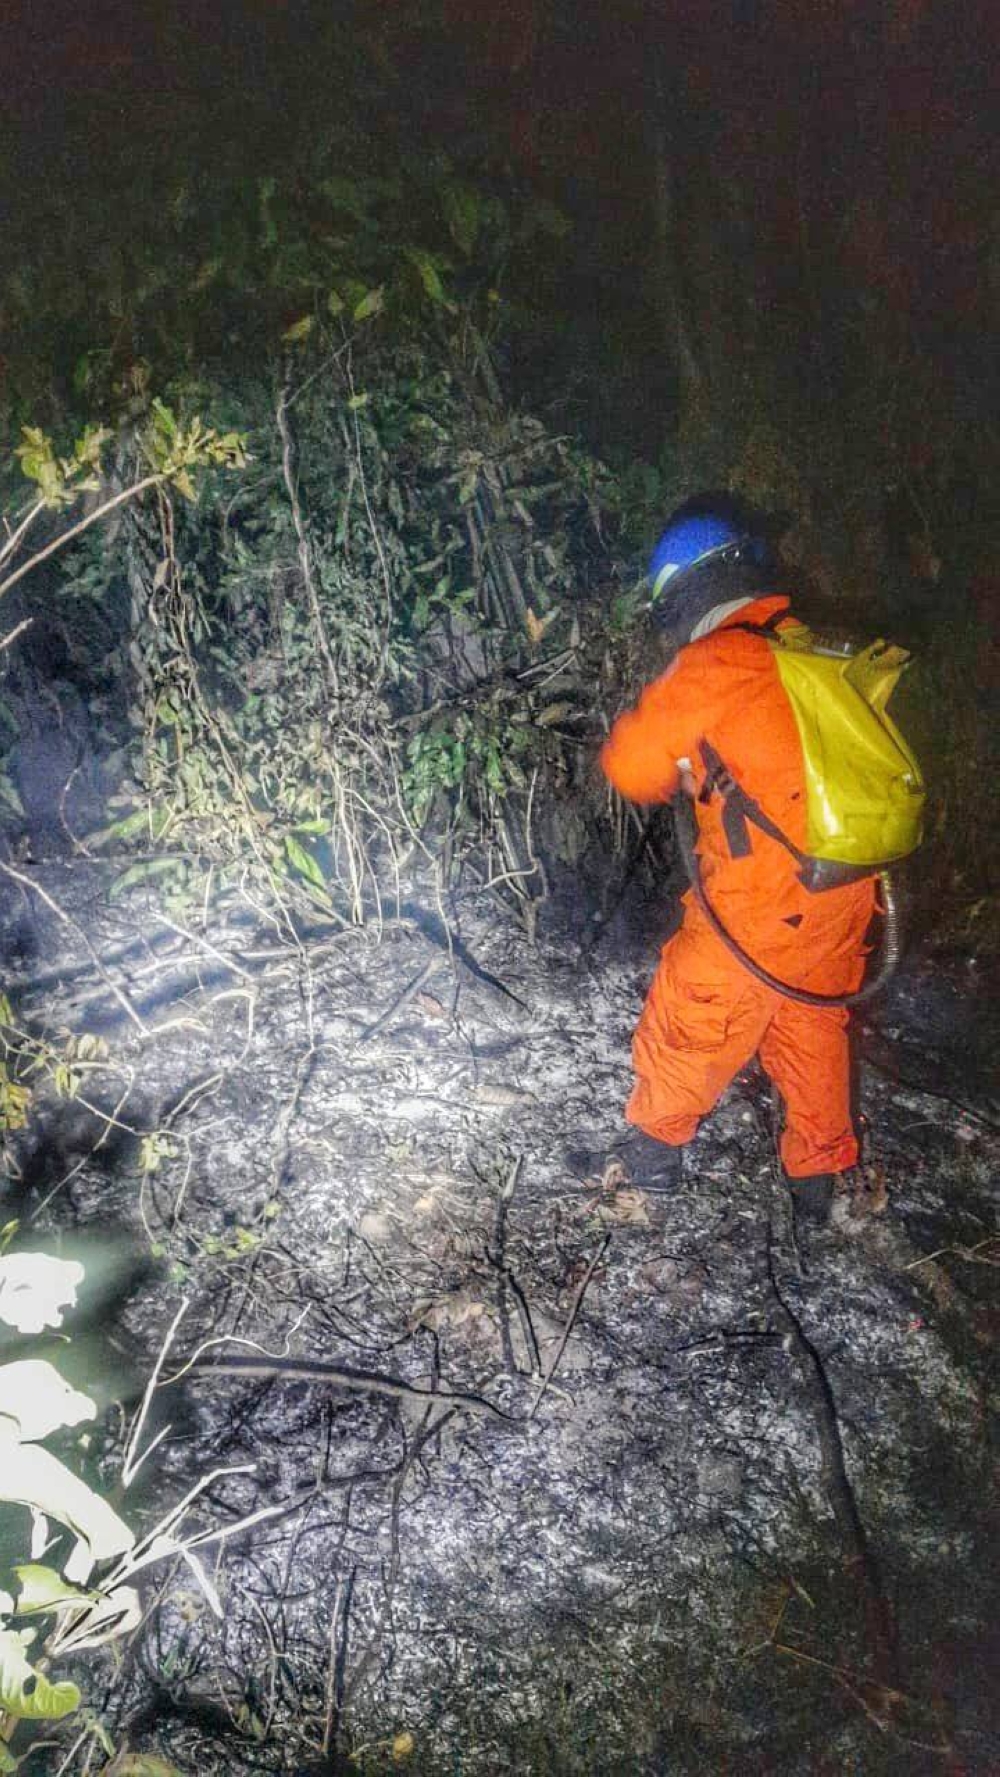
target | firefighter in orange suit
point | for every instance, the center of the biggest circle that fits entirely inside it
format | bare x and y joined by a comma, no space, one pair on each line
720,703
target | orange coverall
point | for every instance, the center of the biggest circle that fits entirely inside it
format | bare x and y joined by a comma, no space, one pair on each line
705,1015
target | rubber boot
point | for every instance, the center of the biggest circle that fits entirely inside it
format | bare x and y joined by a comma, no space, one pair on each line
812,1202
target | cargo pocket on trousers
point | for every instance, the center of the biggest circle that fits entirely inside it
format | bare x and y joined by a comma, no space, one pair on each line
700,1018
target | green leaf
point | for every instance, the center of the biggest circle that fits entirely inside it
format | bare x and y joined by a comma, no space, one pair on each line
372,303
35,1288
9,795
299,330
38,462
42,1589
154,1148
462,213
30,1475
144,821
88,447
428,273
140,872
83,376
184,485
163,418
35,1401
25,1692
304,863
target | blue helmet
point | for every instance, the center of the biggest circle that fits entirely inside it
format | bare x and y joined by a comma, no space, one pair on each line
708,552
688,541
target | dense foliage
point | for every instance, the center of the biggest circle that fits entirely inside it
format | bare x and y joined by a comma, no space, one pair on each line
325,661
365,647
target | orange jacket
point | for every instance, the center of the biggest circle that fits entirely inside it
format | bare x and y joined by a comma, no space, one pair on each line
725,689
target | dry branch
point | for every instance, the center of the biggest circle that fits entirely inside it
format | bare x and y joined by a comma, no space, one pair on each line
303,550
581,1291
499,1258
119,993
297,1369
878,1615
401,1001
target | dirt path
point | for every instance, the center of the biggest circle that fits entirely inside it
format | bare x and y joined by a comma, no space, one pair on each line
569,1499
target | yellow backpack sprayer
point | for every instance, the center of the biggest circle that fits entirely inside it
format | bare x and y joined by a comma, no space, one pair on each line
865,791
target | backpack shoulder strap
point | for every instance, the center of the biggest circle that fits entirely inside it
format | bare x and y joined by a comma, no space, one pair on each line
768,629
738,807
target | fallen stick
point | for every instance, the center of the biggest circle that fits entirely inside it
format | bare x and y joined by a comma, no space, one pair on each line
969,1253
119,994
499,1259
205,945
340,1624
571,1322
886,1695
840,1493
506,1280
437,931
401,1001
527,1326
303,1369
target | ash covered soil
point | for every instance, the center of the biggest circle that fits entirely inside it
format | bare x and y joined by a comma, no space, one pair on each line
626,1484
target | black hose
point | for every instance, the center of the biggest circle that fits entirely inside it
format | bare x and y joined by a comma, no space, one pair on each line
685,824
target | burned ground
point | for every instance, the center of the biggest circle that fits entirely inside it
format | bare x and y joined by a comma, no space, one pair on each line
569,1499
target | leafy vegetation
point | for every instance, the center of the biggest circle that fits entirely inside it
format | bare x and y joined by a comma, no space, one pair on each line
362,652
84,1586
324,662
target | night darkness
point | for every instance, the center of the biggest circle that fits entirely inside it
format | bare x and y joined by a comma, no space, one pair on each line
831,168
353,359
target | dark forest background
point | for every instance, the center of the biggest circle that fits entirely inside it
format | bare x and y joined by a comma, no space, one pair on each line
752,245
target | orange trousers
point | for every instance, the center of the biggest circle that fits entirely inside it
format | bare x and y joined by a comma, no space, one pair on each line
704,1018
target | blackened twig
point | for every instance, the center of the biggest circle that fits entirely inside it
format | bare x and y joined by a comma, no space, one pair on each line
340,1626
571,1322
110,983
527,1326
300,1369
401,1001
499,1259
840,1493
429,1428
